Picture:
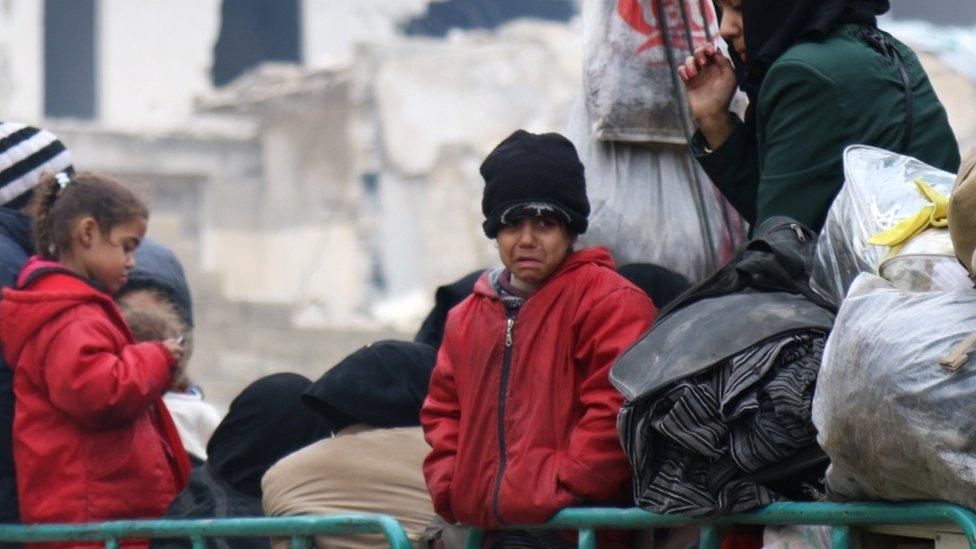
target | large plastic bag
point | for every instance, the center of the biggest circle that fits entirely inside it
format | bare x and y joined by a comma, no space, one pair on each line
654,204
926,262
879,191
896,424
629,81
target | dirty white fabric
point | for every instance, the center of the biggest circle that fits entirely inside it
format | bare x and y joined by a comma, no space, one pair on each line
796,537
896,424
629,52
195,420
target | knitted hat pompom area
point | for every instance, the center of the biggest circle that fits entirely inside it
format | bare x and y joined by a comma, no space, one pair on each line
537,175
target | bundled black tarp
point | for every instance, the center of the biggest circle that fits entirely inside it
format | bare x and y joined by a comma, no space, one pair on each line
719,391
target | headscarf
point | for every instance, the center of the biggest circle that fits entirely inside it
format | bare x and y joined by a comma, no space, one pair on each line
266,422
445,298
383,384
660,284
770,27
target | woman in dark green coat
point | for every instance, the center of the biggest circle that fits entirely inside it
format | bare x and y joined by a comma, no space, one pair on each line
819,76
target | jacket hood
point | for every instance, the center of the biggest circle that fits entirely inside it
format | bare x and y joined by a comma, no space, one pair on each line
53,289
772,26
17,227
158,268
383,384
598,256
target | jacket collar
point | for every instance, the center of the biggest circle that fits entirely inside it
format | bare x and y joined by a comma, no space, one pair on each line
46,290
36,274
17,227
597,256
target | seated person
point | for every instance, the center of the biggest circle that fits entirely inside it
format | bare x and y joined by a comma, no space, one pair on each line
520,414
42,154
156,304
445,298
266,422
373,464
660,284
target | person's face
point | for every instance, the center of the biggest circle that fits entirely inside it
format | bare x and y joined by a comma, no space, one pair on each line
533,248
731,25
108,257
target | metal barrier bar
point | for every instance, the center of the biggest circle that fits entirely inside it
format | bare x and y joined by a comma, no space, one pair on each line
587,538
840,537
197,529
839,515
710,537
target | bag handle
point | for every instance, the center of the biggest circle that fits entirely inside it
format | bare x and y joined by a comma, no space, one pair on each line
959,354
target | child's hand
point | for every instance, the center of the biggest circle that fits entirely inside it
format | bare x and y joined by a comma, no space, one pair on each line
175,347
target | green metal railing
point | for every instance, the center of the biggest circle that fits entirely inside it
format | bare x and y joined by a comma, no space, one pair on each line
298,529
839,516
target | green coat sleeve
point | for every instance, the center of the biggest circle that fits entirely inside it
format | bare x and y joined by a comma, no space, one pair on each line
803,128
794,166
733,167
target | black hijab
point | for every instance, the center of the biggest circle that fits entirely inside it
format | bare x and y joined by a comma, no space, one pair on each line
445,298
771,27
266,422
660,284
383,384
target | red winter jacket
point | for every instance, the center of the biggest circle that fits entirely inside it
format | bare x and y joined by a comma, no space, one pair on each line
93,440
524,429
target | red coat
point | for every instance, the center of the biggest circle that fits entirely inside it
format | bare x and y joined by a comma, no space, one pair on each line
93,441
513,445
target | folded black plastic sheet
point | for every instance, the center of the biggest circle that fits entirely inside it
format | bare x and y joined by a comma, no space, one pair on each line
700,444
719,391
694,338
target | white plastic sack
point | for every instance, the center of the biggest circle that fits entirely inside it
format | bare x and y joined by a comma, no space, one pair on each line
879,191
654,204
926,262
896,424
628,79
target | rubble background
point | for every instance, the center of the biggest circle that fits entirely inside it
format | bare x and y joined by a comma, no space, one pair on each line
317,202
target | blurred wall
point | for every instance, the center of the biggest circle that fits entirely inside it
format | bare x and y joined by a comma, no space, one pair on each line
21,60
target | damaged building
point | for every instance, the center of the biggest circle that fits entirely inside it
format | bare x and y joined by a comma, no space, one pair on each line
313,163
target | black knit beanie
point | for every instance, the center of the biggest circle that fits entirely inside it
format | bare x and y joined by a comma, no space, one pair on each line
534,175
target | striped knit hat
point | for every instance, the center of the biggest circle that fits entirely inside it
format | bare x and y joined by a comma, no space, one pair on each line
26,155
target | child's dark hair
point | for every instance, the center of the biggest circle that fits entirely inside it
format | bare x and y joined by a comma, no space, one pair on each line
60,200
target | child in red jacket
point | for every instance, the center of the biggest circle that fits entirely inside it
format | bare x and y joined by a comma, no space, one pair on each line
520,414
93,441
